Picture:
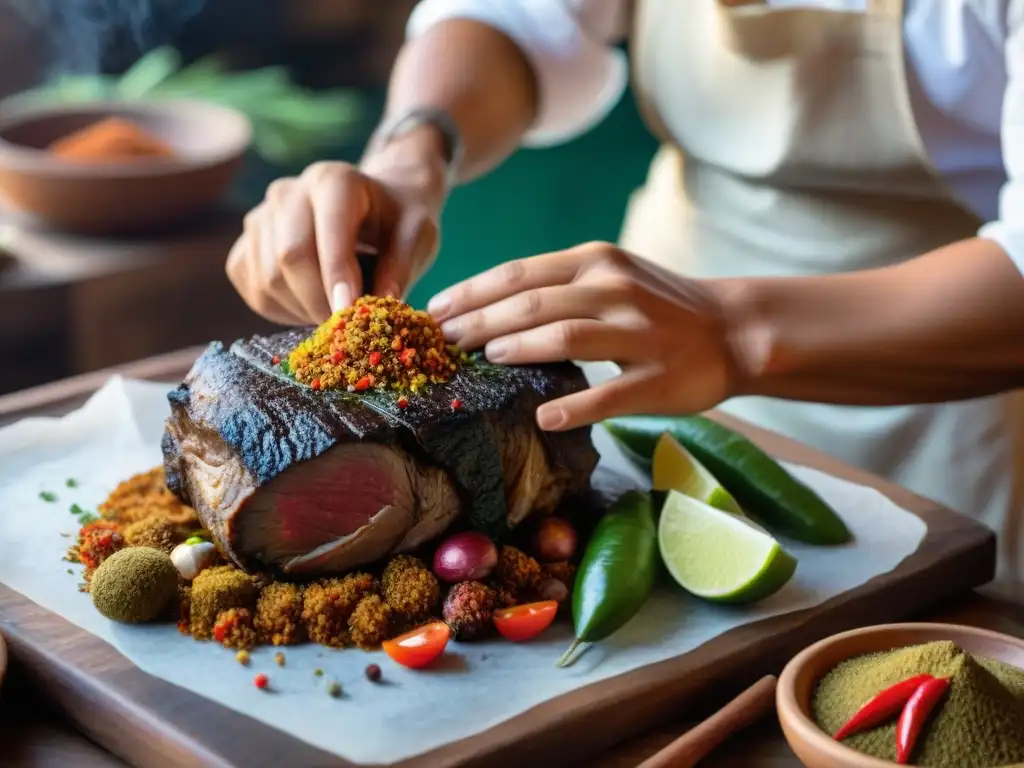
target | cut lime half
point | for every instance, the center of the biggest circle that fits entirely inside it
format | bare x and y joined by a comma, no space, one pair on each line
676,469
718,556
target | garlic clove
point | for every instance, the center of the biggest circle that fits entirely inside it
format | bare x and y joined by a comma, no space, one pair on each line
190,559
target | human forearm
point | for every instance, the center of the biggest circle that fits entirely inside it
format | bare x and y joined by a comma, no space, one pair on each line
945,326
480,77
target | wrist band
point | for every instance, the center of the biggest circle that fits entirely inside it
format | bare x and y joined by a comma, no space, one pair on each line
435,117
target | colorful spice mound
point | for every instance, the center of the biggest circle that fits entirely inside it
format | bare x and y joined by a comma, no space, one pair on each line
469,609
112,139
97,541
378,343
978,722
146,495
134,585
279,614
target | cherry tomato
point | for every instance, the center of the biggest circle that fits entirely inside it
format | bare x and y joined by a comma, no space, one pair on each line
419,647
524,622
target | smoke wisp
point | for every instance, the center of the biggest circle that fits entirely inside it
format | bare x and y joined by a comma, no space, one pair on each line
79,33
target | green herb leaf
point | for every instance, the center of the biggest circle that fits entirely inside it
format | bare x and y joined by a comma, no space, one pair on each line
71,483
88,517
48,496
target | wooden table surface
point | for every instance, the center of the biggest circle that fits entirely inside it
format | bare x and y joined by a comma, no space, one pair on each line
33,733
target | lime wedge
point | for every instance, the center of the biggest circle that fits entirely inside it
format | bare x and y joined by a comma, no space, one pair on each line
718,556
675,469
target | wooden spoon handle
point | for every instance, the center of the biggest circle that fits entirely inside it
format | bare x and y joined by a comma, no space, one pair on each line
745,709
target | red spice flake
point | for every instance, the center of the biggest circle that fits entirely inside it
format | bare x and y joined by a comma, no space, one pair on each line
403,402
363,383
276,359
97,541
408,356
456,404
338,357
221,628
364,310
316,383
261,681
375,358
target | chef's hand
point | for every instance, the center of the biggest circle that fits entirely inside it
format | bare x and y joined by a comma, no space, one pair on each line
296,262
594,303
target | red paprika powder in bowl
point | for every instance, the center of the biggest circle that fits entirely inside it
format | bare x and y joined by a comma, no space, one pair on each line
111,168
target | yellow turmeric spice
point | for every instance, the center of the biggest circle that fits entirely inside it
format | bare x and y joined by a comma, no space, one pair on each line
376,343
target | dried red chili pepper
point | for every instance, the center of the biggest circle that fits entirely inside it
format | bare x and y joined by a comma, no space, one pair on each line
883,706
916,713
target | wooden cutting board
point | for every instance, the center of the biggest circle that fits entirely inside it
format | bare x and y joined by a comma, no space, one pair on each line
151,723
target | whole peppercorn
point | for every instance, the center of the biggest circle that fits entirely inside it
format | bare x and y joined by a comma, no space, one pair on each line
334,689
373,673
468,610
261,681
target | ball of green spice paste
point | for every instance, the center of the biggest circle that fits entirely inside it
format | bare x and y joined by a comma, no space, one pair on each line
978,724
134,585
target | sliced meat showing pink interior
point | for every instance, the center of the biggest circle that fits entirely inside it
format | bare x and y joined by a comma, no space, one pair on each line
349,507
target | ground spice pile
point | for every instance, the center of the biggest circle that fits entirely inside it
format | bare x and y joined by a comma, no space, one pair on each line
144,496
112,139
377,343
978,724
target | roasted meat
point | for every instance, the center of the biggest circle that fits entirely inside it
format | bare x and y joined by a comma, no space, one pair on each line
306,482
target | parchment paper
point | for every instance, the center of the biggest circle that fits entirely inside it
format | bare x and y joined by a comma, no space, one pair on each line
477,687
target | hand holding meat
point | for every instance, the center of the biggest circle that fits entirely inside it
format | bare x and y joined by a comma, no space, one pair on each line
596,302
296,262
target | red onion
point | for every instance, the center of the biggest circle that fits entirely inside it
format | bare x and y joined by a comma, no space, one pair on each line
468,556
554,540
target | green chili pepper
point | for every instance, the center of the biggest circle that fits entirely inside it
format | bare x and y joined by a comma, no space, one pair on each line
759,483
616,576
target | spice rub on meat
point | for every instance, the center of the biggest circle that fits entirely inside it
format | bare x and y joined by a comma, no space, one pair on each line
309,481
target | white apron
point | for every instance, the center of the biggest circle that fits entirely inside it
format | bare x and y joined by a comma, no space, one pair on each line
802,157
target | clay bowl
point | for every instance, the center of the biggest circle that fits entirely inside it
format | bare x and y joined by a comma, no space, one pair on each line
120,197
817,749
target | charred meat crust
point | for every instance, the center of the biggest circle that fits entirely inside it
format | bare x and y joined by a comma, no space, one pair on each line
272,422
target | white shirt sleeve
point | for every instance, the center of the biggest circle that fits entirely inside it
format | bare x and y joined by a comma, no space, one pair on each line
1008,229
569,43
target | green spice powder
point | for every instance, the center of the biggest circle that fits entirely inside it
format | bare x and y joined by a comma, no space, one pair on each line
978,724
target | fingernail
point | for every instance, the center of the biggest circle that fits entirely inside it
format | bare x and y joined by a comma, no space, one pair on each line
341,297
496,351
550,418
439,306
451,329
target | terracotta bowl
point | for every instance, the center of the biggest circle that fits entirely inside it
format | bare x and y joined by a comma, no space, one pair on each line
817,749
120,197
